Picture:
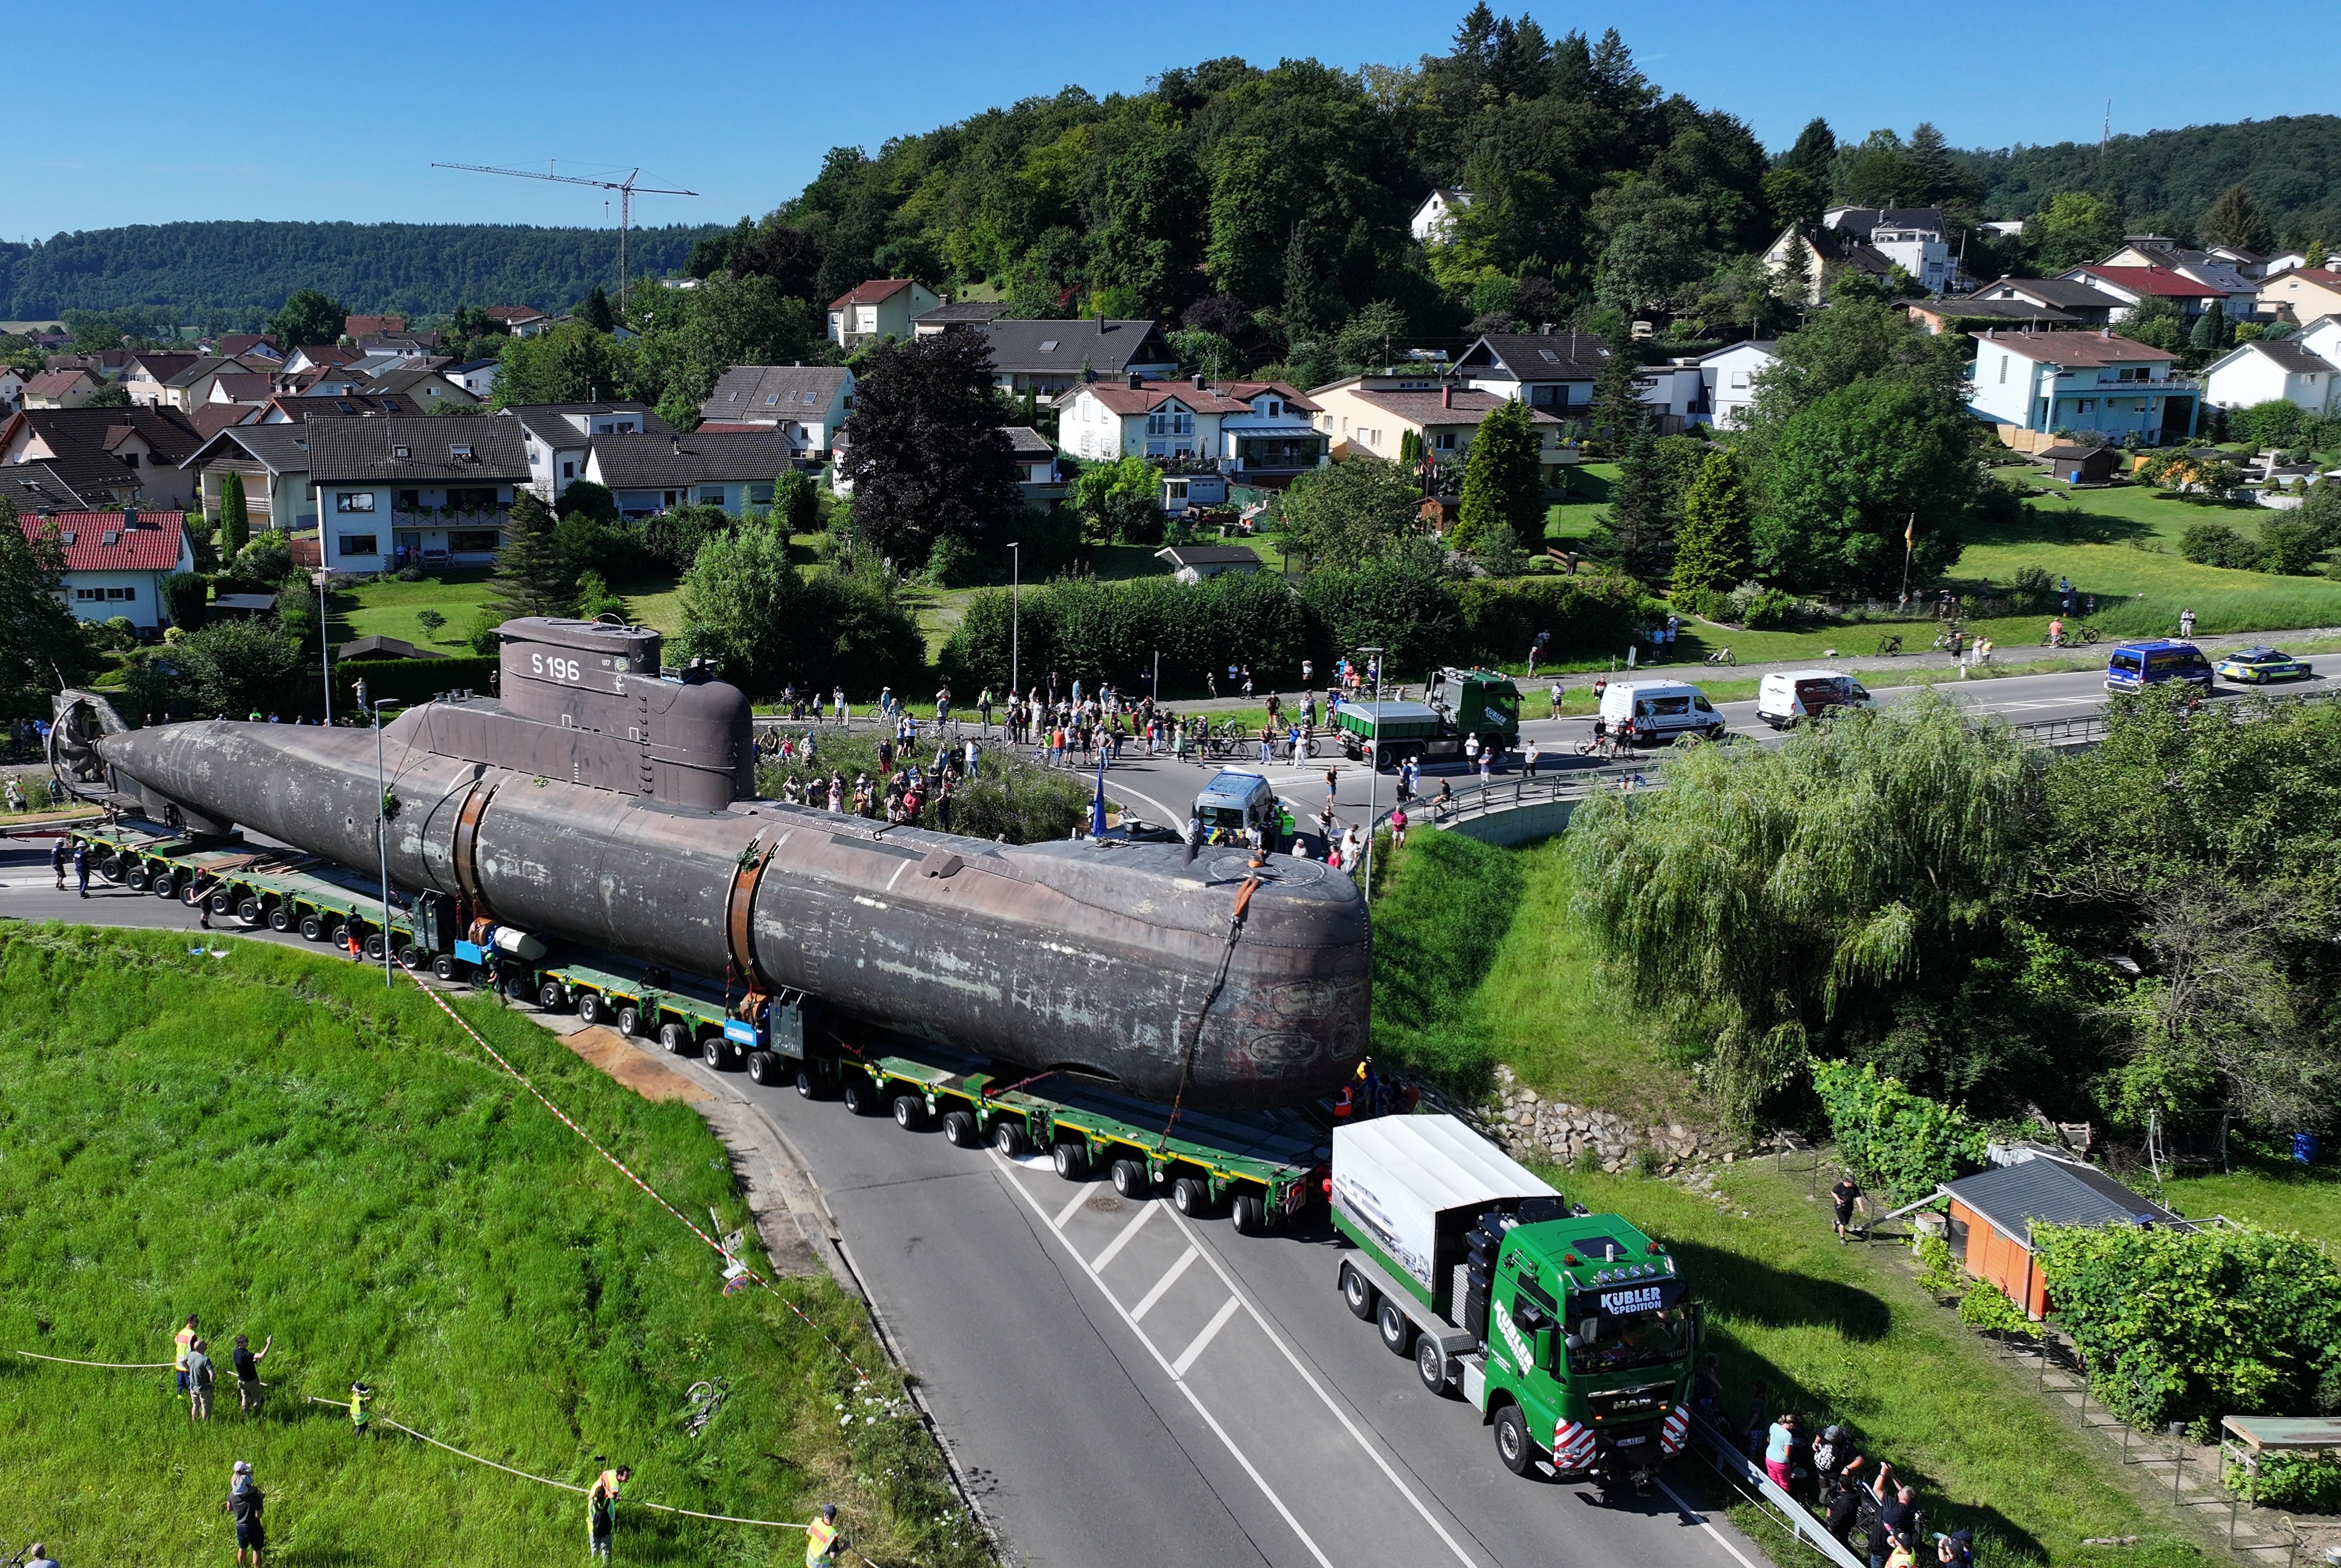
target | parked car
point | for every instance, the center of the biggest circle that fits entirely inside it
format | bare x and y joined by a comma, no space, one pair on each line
1653,712
2134,666
2257,666
1789,694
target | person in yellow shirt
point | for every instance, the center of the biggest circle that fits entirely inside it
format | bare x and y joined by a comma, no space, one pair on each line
182,1342
601,1510
361,1407
824,1547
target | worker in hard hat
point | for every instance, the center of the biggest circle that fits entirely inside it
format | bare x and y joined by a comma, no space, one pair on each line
602,1509
361,1407
824,1547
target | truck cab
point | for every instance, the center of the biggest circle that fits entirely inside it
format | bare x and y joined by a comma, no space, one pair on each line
1475,702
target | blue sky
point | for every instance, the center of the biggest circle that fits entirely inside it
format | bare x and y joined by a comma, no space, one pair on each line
272,109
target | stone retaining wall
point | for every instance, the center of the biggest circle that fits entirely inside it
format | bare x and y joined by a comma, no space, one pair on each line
1532,1127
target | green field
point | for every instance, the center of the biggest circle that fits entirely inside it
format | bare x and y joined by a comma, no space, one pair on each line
273,1141
2268,1191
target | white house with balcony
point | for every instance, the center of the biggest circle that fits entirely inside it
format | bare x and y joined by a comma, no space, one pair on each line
1259,432
412,489
2046,382
1731,373
2262,372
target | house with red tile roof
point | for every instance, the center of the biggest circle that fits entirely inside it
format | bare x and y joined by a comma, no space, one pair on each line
879,308
521,320
356,328
60,389
108,455
1203,432
115,561
2129,287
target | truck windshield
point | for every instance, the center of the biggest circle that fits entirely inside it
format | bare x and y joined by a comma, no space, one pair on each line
1637,1339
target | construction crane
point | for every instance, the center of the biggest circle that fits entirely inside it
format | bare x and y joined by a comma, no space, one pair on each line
626,189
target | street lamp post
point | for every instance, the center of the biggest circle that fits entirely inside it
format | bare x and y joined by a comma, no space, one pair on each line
324,647
382,829
1373,770
1015,605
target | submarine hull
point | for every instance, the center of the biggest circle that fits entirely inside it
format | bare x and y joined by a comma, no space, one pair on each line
1105,961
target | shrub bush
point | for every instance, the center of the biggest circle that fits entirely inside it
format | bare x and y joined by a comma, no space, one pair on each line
2210,543
1773,610
2306,1483
1888,1136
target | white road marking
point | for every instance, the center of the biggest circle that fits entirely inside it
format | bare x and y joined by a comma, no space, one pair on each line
1702,1521
1162,1286
1113,1248
1241,1457
1202,1342
1081,1196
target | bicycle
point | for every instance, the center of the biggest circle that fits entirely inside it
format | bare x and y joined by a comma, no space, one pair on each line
1721,656
1889,645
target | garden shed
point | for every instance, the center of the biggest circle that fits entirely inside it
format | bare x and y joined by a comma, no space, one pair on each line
1992,1214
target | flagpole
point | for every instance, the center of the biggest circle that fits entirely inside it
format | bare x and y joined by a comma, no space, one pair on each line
1910,546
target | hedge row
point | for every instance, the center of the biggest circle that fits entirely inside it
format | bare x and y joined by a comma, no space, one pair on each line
1092,630
407,680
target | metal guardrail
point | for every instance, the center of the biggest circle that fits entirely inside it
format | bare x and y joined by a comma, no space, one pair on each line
1517,789
2085,730
1726,1457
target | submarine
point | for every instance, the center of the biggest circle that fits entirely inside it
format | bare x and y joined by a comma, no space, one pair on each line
602,800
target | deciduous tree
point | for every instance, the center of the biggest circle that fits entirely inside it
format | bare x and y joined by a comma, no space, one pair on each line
1501,481
1347,513
928,456
307,317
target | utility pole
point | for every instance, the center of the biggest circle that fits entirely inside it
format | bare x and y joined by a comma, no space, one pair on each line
382,834
1015,608
1373,770
324,645
626,188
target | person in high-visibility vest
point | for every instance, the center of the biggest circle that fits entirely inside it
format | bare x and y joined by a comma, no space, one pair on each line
602,1509
824,1545
361,1407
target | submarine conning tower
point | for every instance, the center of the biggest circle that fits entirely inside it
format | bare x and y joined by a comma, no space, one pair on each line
586,703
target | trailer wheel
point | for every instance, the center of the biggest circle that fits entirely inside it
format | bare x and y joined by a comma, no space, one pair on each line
223,902
1130,1179
1356,1293
280,918
135,879
1071,1160
1512,1443
630,1020
676,1038
959,1130
806,1088
412,957
443,966
250,912
550,998
1431,1365
592,1008
312,927
1397,1331
763,1067
1190,1197
1008,1138
1249,1212
163,885
716,1051
910,1113
376,946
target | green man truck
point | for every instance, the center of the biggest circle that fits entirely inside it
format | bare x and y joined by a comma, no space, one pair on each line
1459,704
1571,1333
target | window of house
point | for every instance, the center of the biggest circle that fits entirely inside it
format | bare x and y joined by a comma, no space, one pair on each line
710,495
120,595
760,495
569,470
2003,370
402,452
481,498
459,452
1049,346
354,501
475,540
87,595
1443,442
2086,405
408,500
350,545
771,399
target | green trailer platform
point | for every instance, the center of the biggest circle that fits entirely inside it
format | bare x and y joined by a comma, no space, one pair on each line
283,890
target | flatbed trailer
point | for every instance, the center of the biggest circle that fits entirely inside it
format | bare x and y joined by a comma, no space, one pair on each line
283,890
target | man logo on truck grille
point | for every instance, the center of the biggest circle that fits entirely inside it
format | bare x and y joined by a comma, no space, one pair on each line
1617,1301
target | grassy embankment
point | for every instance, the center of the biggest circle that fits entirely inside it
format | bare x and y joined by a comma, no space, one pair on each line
273,1141
1479,961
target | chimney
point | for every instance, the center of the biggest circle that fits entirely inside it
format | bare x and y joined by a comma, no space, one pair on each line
1544,328
678,444
1201,383
1446,394
1136,381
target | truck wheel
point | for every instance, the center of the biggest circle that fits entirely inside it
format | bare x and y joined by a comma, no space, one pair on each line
630,1020
675,1039
442,967
550,998
412,957
1130,1179
1190,1197
763,1067
1249,1213
135,879
1071,1160
909,1112
223,902
1356,1294
861,1096
959,1130
716,1052
1009,1138
375,947
1512,1444
280,918
1396,1329
312,929
163,885
806,1088
250,912
1431,1365
592,1008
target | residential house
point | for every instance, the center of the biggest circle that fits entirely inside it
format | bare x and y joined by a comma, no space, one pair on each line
115,561
1729,374
106,364
1370,415
413,487
648,474
2130,287
111,456
12,389
2241,289
357,329
2283,262
1190,563
1676,393
427,390
1826,254
1036,465
1258,431
214,417
336,405
521,320
878,308
60,389
250,388
477,377
147,376
273,462
2046,382
192,387
1047,358
1915,239
2251,264
2301,294
2262,372
1433,223
318,356
2088,306
38,488
557,437
1993,1211
1553,370
1970,313
808,401
2322,337
236,345
958,316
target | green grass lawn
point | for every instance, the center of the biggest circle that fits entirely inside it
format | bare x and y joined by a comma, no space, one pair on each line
2266,1191
1845,1333
1571,522
273,1141
385,607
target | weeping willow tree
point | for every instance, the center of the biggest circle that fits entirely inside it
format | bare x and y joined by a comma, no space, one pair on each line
1849,891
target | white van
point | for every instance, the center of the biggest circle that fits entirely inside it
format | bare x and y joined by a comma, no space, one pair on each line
1654,713
1792,694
